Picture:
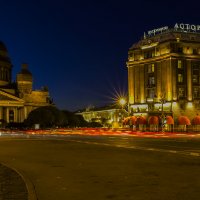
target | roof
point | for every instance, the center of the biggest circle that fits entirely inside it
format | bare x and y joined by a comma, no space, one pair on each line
169,35
103,108
25,71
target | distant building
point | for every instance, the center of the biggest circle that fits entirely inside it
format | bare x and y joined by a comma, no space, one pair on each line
164,72
108,116
18,99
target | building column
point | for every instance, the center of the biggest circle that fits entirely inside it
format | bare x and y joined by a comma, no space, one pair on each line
142,98
158,79
7,114
25,113
20,114
1,112
189,81
131,84
174,77
137,84
169,80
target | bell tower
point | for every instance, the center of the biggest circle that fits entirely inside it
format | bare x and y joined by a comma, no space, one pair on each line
24,80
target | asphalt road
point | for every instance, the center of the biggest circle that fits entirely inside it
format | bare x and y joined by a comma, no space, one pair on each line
106,167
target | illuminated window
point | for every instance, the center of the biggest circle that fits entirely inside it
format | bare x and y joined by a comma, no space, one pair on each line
179,64
180,78
151,68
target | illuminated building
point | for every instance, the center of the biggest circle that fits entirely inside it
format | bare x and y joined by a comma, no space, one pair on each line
164,72
107,116
18,99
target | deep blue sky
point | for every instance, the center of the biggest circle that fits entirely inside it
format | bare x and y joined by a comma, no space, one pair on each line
79,48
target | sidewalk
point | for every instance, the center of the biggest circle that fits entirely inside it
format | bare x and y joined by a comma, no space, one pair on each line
12,186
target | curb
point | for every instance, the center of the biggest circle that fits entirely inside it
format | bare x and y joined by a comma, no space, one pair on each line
29,185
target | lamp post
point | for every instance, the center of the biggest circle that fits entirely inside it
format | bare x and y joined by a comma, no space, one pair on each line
122,103
162,100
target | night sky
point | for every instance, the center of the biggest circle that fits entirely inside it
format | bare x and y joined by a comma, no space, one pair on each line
79,48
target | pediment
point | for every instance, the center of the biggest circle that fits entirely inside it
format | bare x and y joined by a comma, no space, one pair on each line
4,96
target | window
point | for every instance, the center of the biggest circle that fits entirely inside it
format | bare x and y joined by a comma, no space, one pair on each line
151,93
180,50
195,78
181,92
11,116
151,68
151,80
149,54
180,78
194,51
195,92
180,64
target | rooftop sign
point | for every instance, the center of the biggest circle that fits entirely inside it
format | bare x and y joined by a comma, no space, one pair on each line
187,27
180,27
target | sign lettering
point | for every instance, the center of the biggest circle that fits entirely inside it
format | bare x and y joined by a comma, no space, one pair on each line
181,26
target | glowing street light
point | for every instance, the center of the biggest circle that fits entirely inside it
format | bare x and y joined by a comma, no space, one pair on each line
122,102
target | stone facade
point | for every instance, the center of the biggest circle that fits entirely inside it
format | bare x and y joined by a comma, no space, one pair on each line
164,75
18,99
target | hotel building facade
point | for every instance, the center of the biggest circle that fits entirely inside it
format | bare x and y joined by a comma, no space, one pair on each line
164,73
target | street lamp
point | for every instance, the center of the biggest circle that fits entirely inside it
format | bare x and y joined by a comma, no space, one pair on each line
122,102
162,100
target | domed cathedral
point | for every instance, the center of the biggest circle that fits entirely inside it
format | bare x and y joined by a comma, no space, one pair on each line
18,99
5,66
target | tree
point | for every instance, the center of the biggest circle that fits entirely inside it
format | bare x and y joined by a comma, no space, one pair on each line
47,116
74,120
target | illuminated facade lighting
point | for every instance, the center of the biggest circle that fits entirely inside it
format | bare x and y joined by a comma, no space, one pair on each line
167,78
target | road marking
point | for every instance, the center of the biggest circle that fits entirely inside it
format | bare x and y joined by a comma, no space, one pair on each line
194,154
183,152
141,148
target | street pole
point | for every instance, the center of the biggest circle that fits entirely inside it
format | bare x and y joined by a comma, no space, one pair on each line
162,114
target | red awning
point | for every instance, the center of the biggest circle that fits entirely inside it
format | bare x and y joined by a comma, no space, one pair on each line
169,120
196,120
141,120
183,120
153,120
133,119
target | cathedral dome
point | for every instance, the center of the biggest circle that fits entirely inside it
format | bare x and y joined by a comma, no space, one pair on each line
5,65
2,46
